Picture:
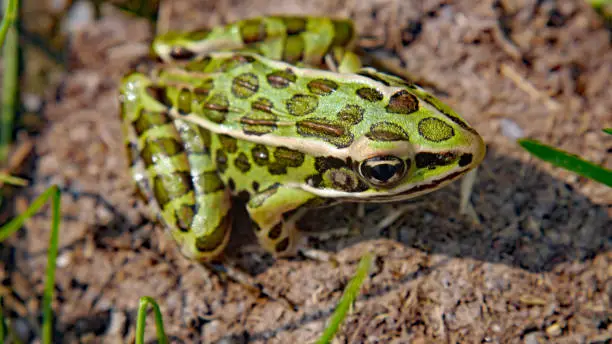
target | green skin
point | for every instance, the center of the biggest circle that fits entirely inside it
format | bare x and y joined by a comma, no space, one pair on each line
224,115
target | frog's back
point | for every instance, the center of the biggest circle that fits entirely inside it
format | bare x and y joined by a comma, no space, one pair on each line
349,117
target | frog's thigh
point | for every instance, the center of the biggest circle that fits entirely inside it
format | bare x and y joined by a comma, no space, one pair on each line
210,228
274,212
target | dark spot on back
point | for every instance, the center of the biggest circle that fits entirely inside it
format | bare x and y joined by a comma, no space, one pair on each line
387,131
403,102
281,78
242,163
260,154
322,87
351,114
369,94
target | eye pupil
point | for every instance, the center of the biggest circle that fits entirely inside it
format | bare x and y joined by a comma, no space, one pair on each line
384,171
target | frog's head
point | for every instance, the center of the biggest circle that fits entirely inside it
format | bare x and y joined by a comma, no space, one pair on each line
409,145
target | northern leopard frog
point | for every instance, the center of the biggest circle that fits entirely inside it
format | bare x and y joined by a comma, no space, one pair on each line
279,111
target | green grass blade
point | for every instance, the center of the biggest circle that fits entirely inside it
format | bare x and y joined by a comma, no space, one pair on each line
8,179
145,301
47,328
608,131
8,229
9,32
10,14
568,161
349,296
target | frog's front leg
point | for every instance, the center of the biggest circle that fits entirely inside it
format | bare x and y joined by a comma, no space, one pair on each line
274,212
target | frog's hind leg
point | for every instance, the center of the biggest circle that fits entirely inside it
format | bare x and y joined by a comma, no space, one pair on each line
175,172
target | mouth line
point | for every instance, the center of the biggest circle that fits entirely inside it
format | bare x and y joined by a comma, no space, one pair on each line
410,193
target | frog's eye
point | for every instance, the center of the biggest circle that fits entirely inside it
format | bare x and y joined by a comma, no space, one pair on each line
385,170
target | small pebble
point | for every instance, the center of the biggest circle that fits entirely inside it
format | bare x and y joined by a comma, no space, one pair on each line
511,129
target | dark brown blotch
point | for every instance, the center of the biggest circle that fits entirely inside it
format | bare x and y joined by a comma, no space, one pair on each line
242,163
370,94
262,120
288,157
324,163
216,107
322,87
323,128
229,143
281,78
330,131
351,114
433,160
263,104
403,102
221,160
277,169
302,104
245,85
260,155
387,131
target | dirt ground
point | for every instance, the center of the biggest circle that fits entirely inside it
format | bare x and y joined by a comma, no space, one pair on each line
535,269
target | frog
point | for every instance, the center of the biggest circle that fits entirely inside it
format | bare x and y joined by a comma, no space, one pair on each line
280,112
